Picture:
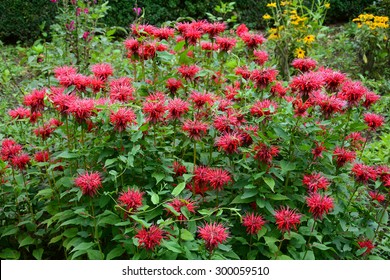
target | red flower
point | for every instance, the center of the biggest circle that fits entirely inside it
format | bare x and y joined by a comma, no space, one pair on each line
201,99
177,108
229,142
121,90
352,92
195,129
96,84
177,204
143,29
179,169
164,33
213,234
300,107
82,109
225,123
317,151
263,78
243,72
319,205
89,183
383,172
44,131
374,121
304,64
242,29
19,113
149,238
147,50
208,46
218,178
315,181
253,223
35,100
366,244
278,90
20,161
102,70
225,44
131,199
80,81
333,79
214,28
377,196
306,83
122,118
131,46
264,108
265,154
200,179
41,156
188,72
9,149
287,218
370,98
343,156
260,57
356,140
363,173
154,107
64,71
173,85
252,41
61,101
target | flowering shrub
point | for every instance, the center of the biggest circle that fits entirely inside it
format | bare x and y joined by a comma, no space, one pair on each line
193,148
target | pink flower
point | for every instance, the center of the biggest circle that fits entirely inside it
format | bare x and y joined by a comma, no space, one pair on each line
252,41
317,151
35,100
188,72
20,161
81,109
131,199
173,85
287,219
149,238
243,72
121,90
315,181
333,79
264,77
374,121
377,196
225,44
213,234
279,90
329,104
356,140
306,83
370,98
319,205
19,113
383,172
264,108
89,183
9,149
352,92
201,99
154,107
195,129
41,156
260,57
61,101
218,178
253,223
122,118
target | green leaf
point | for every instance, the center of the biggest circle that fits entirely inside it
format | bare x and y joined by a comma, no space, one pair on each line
320,246
283,257
46,193
12,230
287,166
385,218
83,246
37,253
277,196
55,239
270,241
158,177
9,254
186,235
140,221
172,246
238,200
110,161
95,255
68,155
309,255
270,182
28,240
155,198
116,252
249,193
178,189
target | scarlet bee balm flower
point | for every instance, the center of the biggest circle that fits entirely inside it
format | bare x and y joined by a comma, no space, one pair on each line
213,234
287,219
150,238
89,183
253,223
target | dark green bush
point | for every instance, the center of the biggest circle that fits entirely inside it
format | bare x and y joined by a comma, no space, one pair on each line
21,19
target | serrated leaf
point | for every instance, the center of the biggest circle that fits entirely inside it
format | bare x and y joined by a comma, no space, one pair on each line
116,252
270,182
178,189
158,177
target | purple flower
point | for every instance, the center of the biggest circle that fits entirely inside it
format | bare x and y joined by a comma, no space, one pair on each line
137,11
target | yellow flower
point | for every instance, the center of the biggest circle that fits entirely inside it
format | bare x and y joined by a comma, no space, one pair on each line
327,5
267,17
299,53
285,3
309,39
271,5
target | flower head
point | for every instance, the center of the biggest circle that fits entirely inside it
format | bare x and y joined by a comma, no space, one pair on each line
373,121
195,129
218,178
377,196
264,108
131,199
35,100
177,204
179,169
253,223
263,78
19,113
287,219
225,44
81,109
229,142
177,108
122,118
150,238
20,161
319,205
265,154
363,173
213,234
121,90
200,99
315,181
304,64
89,183
173,85
188,72
365,243
42,156
343,156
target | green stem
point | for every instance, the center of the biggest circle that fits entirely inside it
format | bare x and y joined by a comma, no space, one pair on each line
380,219
308,241
193,190
96,232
